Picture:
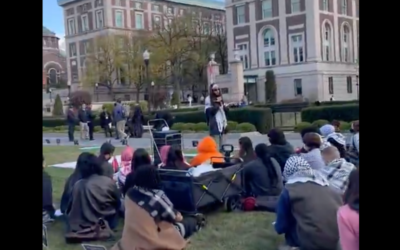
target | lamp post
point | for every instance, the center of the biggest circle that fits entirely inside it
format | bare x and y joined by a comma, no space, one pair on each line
358,87
69,88
152,94
146,59
97,92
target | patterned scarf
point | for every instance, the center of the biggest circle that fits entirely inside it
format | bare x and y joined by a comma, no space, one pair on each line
297,169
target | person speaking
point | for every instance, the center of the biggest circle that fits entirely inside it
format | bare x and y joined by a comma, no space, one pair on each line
216,115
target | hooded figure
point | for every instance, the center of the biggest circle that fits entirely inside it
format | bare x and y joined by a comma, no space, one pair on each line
137,122
206,150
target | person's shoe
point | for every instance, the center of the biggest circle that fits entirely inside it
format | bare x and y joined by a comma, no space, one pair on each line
201,221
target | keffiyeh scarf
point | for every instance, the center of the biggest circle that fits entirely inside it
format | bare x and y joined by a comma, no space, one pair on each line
297,169
220,116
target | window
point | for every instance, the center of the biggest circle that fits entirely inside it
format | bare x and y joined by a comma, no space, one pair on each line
139,21
330,85
119,19
327,42
156,8
219,29
297,47
224,90
346,44
298,88
295,5
99,19
138,5
344,7
170,11
157,21
85,22
267,9
118,3
243,54
269,48
325,5
240,14
86,47
181,12
71,26
206,28
349,85
72,49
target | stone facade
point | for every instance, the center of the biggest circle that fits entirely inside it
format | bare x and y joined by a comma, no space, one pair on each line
86,19
311,45
54,61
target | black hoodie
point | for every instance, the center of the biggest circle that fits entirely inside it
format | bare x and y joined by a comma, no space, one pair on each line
281,153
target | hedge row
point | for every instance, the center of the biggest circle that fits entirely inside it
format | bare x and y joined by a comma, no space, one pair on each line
261,118
348,112
344,126
198,127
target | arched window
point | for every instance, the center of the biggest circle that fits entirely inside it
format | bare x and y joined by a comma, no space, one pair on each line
346,43
269,47
53,75
327,42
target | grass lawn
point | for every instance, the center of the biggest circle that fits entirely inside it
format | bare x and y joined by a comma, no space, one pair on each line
224,231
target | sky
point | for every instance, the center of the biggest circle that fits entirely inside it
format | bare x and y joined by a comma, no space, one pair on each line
53,19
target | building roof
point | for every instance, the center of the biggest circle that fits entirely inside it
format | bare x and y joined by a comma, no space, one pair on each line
211,4
47,32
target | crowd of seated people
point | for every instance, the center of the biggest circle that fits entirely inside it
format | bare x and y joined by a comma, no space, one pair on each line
304,188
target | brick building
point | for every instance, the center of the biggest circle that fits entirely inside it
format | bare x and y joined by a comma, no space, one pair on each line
54,60
311,45
86,19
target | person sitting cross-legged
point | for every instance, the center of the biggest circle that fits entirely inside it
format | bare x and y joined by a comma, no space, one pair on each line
93,205
337,169
151,222
307,207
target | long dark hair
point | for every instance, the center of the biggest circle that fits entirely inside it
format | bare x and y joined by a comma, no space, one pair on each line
262,153
277,137
140,158
246,149
351,196
146,177
90,165
175,159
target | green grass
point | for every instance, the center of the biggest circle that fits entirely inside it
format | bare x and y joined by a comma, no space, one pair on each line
224,231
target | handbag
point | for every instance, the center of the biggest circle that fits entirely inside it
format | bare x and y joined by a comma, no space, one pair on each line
97,232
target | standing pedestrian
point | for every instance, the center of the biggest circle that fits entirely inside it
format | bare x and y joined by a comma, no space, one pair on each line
83,122
114,123
105,122
120,119
71,121
91,117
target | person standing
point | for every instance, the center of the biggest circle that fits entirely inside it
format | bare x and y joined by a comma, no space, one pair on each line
71,121
105,122
120,120
83,122
91,117
114,123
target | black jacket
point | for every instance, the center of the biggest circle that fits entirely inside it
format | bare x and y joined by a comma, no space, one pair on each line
71,118
103,120
83,116
257,181
281,153
47,194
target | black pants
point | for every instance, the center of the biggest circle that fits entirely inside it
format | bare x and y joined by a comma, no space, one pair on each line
187,227
107,130
71,130
91,128
116,131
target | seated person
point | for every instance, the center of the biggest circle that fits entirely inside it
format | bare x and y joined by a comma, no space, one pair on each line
354,147
174,158
93,197
312,143
339,141
336,125
72,179
125,165
263,178
47,207
280,149
307,208
327,130
246,151
206,150
337,169
348,215
106,152
303,132
151,222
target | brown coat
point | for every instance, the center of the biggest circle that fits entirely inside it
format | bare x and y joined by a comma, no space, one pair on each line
141,232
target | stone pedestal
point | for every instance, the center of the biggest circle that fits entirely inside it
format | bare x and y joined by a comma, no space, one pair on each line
212,72
236,89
